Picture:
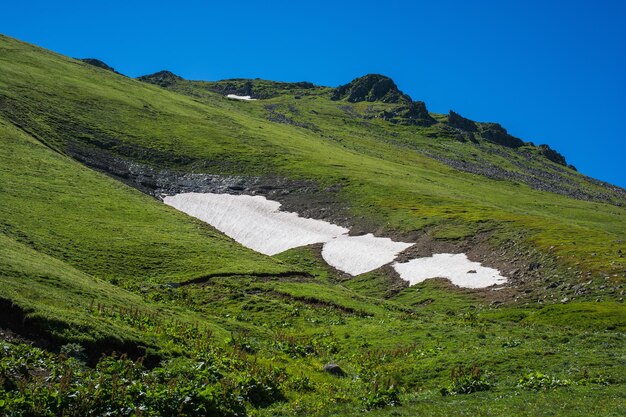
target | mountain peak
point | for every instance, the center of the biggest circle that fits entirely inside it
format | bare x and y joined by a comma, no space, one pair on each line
162,78
371,87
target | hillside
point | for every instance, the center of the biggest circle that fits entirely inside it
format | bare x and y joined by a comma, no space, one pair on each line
94,263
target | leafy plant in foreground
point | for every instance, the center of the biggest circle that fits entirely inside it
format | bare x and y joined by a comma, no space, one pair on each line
385,395
539,381
466,381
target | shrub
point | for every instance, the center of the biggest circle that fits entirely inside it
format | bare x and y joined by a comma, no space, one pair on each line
381,396
74,350
539,381
260,387
301,384
466,381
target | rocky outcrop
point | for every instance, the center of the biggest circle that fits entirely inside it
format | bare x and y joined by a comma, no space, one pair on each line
97,63
241,89
495,133
413,114
552,155
371,87
459,122
376,87
162,78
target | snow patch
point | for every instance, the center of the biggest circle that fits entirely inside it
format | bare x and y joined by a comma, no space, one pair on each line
236,97
359,254
254,221
257,223
455,267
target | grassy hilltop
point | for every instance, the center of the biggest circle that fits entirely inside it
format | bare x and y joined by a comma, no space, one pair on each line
100,282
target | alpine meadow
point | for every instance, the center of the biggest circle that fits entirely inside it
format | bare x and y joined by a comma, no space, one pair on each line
171,247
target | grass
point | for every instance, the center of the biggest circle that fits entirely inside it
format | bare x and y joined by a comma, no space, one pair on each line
87,260
98,225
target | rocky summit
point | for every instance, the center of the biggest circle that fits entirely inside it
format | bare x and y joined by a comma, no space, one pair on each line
379,88
371,87
162,78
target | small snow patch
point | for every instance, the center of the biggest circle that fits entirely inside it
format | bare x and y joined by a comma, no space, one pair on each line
236,97
455,267
359,254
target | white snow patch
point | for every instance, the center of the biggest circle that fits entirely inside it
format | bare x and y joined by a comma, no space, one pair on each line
236,97
254,221
359,254
257,223
455,267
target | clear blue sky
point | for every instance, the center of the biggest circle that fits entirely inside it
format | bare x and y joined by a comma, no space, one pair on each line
549,71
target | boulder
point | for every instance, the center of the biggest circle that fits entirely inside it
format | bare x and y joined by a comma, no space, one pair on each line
334,369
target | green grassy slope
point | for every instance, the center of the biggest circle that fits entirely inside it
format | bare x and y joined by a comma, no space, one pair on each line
89,260
71,105
55,304
105,228
69,233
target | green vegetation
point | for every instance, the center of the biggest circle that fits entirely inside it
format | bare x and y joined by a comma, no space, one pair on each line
90,266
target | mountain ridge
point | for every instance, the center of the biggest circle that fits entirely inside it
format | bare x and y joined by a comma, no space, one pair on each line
372,88
473,133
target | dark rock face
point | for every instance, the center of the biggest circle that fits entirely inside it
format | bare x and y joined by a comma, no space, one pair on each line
413,114
459,122
552,155
334,369
371,87
97,63
495,133
376,87
161,78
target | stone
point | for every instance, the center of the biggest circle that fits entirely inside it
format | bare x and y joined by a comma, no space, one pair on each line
334,369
